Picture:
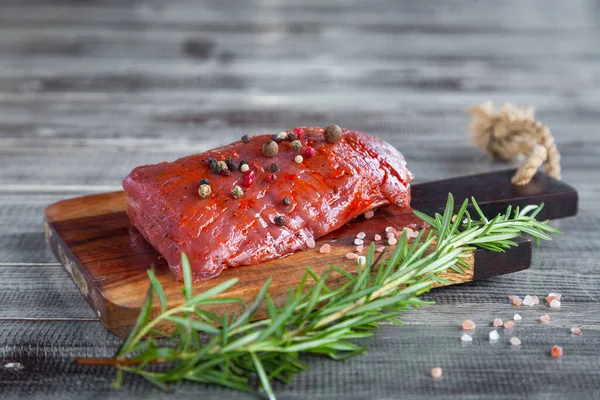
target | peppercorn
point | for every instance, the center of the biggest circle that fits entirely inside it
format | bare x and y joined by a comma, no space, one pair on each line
298,159
243,161
274,167
299,131
292,136
309,152
222,164
282,135
270,149
271,178
215,167
204,181
212,161
248,178
333,133
246,139
296,145
231,164
237,192
226,172
276,138
286,201
279,220
204,190
244,168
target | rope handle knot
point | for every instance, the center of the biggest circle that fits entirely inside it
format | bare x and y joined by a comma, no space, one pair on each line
512,131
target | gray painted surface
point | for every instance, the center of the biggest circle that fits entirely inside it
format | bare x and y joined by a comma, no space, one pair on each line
88,90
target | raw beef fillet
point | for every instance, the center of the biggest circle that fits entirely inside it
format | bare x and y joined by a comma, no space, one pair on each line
280,205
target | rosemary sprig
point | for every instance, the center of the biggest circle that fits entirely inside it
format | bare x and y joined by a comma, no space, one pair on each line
231,350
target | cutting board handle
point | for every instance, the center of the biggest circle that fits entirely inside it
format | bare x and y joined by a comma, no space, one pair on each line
494,193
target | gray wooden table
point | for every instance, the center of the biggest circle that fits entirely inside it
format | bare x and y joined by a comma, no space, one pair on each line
88,90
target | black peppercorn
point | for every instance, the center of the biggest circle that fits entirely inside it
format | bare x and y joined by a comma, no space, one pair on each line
292,136
246,139
243,161
204,181
225,172
274,167
333,133
286,201
276,138
279,220
231,164
270,149
215,167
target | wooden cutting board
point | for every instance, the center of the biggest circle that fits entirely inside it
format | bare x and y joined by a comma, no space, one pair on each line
107,258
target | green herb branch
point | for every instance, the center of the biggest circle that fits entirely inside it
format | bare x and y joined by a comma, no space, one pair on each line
232,350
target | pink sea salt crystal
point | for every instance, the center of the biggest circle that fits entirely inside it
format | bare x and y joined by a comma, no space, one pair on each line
494,335
576,331
528,301
536,300
358,241
553,296
556,351
545,318
497,322
555,304
326,248
388,229
392,241
361,235
360,248
454,218
517,301
412,225
380,249
436,372
515,341
377,237
509,324
310,242
512,297
369,214
351,256
468,324
391,235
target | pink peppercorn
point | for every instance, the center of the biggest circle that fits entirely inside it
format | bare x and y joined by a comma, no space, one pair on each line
309,152
299,131
248,178
271,178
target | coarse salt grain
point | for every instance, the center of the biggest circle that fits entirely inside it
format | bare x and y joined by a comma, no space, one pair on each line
358,241
392,241
466,338
528,301
545,318
326,248
360,248
310,242
361,235
515,341
494,335
576,331
553,296
497,322
509,324
453,218
390,235
380,249
512,297
369,214
436,372
517,317
555,304
377,237
362,260
388,228
517,301
351,256
556,351
468,324
536,300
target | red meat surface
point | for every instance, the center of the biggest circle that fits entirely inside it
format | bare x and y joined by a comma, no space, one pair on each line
339,182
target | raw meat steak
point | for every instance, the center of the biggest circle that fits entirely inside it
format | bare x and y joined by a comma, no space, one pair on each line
281,208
